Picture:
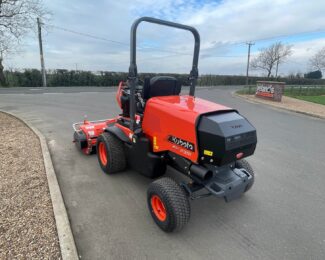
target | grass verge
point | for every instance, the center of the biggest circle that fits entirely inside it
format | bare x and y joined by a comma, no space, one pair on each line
314,94
314,99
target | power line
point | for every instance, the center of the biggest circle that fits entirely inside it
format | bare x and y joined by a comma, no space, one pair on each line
112,41
176,52
141,48
88,35
272,37
287,35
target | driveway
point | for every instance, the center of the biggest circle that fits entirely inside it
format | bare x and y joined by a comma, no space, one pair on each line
282,217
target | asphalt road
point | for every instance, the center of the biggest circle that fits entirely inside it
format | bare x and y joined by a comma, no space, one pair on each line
282,217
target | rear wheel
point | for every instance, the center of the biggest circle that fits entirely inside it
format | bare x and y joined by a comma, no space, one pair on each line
168,204
110,153
245,165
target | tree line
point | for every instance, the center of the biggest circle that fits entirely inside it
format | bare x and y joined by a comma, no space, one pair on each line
62,77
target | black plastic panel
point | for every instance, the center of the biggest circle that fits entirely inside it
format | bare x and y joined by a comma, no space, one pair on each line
142,160
223,136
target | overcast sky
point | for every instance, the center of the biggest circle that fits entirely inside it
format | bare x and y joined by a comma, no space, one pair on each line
224,27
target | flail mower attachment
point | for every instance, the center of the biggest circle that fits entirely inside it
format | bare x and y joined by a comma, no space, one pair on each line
86,133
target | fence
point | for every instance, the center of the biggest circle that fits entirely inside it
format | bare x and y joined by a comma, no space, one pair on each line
292,90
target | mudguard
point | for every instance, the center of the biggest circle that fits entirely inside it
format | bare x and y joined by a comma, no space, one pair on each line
118,133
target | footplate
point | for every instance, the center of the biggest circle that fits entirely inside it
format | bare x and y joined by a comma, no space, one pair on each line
229,183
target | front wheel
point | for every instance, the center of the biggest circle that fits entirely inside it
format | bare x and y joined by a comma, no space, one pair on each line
245,165
110,153
168,204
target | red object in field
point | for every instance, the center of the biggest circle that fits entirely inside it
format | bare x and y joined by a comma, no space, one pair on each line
176,119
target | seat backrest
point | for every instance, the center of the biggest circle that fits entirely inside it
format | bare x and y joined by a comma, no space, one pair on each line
160,86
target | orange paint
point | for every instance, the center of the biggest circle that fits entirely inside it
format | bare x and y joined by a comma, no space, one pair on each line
175,116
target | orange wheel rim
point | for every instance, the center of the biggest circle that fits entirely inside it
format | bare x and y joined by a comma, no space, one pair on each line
102,153
158,208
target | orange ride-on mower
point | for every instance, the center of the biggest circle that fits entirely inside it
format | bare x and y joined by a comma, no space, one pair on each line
158,126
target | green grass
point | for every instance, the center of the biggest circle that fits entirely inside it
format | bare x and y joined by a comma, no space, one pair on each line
304,90
247,90
314,99
291,90
315,94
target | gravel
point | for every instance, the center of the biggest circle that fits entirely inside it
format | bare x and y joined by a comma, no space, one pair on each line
27,225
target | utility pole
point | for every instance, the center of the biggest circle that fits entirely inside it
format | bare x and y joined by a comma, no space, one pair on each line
41,51
248,57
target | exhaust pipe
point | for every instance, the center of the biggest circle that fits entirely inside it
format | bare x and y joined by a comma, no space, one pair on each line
200,172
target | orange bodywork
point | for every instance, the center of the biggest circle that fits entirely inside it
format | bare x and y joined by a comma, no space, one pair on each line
175,116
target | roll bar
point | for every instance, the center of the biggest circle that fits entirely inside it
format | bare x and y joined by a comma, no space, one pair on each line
133,72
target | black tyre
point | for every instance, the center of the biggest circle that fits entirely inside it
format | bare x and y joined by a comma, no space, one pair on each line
110,153
245,164
168,204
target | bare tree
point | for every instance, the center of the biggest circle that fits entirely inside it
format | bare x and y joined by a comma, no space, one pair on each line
270,58
318,60
17,18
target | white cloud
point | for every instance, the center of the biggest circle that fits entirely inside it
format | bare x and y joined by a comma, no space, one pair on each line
219,24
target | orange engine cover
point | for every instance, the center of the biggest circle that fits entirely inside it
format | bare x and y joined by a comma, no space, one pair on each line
170,123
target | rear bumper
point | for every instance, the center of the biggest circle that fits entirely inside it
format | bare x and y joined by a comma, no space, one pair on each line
229,183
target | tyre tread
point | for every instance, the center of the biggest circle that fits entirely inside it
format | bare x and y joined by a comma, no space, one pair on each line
116,154
175,197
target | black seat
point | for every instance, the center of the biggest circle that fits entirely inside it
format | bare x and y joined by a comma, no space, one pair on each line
160,86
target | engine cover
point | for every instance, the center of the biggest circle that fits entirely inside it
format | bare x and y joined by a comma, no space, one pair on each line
224,138
170,123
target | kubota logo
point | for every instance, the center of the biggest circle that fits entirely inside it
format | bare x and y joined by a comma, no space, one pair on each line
185,144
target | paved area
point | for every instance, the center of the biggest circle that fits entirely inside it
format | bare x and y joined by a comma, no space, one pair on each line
282,217
292,104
